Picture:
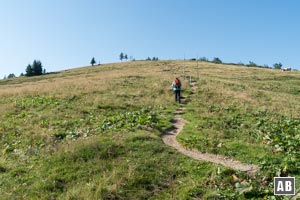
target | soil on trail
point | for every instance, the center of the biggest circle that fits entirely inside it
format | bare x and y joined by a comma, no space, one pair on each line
169,138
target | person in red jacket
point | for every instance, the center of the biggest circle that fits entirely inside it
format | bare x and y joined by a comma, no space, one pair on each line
176,85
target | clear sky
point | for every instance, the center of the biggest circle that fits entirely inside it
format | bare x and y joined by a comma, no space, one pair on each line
65,34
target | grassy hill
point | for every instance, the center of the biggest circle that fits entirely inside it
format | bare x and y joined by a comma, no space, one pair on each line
94,132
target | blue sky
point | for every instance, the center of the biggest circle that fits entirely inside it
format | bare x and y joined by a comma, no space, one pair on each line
65,34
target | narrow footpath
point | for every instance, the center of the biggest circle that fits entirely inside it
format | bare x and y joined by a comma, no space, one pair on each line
169,138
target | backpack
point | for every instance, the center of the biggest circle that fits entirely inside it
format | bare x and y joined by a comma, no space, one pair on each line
177,83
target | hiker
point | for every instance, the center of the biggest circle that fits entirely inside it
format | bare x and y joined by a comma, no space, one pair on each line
176,85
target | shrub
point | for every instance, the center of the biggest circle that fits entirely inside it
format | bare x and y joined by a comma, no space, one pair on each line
277,66
217,60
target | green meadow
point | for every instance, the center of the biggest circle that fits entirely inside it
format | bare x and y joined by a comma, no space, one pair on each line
95,132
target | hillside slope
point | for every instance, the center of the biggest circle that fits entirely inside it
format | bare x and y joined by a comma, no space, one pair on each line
94,132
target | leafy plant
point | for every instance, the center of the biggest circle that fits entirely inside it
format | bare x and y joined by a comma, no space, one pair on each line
284,137
139,118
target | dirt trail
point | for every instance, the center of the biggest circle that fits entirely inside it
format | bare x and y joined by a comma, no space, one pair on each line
169,138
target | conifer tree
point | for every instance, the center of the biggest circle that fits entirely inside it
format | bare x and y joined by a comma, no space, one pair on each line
93,61
37,67
121,56
29,71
